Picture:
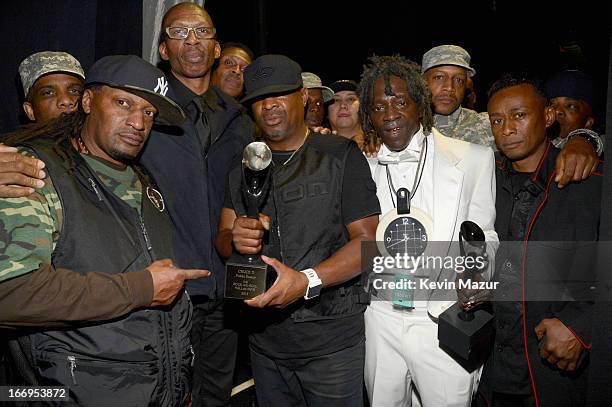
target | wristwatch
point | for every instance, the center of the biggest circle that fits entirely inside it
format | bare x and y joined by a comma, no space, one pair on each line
591,136
314,284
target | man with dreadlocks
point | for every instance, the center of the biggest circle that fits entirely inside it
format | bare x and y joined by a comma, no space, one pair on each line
449,181
85,254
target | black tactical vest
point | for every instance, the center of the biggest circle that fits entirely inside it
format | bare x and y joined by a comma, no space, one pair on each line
143,358
307,199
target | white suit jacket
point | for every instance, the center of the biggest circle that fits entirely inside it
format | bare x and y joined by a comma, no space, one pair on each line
463,189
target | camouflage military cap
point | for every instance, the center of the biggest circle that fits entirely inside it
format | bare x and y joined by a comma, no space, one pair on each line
41,63
312,81
447,55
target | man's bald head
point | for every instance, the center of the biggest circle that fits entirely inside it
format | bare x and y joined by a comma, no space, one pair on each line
196,8
191,58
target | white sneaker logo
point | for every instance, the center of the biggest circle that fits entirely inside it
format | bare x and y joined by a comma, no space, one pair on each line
162,86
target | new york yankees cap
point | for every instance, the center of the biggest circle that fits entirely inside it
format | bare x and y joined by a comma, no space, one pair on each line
135,75
271,74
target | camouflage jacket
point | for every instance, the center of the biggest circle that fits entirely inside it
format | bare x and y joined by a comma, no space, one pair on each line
30,226
468,125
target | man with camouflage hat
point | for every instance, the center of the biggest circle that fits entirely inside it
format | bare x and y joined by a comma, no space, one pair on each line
190,161
52,84
89,255
318,95
446,69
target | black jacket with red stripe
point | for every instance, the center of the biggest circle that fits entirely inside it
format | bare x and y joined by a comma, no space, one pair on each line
545,271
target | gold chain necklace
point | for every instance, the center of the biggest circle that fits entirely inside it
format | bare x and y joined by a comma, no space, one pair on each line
298,149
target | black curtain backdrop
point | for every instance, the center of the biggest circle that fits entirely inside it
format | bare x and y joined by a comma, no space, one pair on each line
88,29
334,38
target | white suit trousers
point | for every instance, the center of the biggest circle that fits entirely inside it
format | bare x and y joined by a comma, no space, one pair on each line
402,353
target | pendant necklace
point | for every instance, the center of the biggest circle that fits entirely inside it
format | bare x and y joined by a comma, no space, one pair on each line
417,176
298,149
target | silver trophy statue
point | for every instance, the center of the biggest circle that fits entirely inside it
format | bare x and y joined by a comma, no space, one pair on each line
246,275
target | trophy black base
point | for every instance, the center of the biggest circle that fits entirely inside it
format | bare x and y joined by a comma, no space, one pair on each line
468,341
245,277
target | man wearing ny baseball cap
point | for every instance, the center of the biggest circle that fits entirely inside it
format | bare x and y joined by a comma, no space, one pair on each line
52,84
97,263
307,330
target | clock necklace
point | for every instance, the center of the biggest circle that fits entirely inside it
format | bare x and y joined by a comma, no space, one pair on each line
404,230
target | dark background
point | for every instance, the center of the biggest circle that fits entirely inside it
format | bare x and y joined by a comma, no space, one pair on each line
87,29
330,38
334,38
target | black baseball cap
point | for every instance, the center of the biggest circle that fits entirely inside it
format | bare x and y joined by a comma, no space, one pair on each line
344,84
270,74
135,75
571,84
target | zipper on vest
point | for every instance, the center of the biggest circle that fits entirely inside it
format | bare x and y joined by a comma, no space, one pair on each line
192,355
73,365
278,231
95,188
169,364
145,234
280,243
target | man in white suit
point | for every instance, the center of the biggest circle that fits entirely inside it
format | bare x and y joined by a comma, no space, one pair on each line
449,181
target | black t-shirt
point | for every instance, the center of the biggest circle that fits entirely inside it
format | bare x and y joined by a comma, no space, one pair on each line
357,200
272,331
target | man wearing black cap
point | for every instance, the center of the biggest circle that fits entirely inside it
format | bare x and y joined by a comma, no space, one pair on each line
92,248
307,330
571,96
446,69
190,165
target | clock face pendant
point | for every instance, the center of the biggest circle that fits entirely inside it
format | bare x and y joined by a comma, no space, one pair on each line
405,234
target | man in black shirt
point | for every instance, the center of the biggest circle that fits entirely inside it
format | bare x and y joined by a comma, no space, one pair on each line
541,313
191,166
306,348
